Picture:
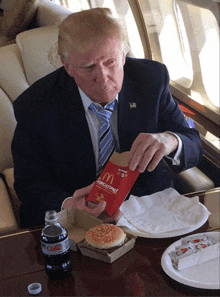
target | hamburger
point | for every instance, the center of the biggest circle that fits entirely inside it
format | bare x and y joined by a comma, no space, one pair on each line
105,236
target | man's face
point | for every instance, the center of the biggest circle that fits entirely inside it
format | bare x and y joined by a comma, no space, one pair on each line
98,69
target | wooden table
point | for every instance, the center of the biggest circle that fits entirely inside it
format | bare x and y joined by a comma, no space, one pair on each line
137,273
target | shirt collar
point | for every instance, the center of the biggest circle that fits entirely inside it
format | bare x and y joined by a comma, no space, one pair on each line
87,101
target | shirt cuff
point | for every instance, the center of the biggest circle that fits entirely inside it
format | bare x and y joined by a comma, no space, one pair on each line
64,202
177,157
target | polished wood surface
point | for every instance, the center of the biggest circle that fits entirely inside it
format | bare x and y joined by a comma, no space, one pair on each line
137,273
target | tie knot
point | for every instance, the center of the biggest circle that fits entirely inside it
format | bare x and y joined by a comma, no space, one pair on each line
105,112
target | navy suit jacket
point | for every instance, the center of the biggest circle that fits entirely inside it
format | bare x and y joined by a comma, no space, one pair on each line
52,147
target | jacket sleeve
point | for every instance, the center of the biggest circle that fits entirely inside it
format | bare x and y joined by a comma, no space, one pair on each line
33,176
35,185
172,119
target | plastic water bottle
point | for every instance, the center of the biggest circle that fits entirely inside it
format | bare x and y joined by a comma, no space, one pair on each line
55,247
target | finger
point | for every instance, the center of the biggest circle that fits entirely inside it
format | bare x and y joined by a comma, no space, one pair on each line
152,156
97,210
138,155
83,192
91,205
108,220
135,158
135,145
155,161
78,203
116,216
147,157
113,219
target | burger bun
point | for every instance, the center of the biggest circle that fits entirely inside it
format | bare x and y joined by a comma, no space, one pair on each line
105,236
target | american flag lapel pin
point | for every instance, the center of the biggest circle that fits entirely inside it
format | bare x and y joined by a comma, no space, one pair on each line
132,105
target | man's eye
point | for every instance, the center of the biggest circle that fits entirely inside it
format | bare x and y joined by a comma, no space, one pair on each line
111,62
89,67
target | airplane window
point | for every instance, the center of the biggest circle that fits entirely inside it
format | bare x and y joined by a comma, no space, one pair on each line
199,24
75,5
203,34
186,38
164,39
184,35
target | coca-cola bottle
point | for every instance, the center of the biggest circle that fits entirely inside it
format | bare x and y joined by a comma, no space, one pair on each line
55,247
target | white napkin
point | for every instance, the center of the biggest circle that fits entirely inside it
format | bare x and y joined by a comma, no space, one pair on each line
161,212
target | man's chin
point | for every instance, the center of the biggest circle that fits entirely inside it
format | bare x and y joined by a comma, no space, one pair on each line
105,97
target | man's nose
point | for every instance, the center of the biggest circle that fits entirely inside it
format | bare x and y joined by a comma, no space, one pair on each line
102,74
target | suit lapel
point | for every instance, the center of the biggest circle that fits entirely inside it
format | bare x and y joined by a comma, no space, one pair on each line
128,106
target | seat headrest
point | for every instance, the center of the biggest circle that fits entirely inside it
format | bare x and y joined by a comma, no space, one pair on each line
12,77
38,49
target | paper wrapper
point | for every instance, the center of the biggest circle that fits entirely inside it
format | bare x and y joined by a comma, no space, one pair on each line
114,183
195,250
200,257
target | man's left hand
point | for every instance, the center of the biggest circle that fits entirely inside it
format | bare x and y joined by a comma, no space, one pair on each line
148,149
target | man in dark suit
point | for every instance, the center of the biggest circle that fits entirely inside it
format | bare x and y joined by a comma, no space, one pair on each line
56,143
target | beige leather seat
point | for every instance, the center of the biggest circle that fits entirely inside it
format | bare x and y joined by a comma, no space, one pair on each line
7,125
7,217
191,180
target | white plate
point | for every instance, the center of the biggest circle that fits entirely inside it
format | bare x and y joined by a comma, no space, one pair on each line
132,230
204,276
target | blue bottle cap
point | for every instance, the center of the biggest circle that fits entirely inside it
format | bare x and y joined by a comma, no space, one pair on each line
34,288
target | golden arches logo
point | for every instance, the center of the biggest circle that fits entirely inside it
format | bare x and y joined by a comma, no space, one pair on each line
108,176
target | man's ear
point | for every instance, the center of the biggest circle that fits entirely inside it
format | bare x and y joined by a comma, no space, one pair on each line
66,66
123,57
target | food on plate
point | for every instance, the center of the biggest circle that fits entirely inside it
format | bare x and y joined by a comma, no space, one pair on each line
105,236
199,239
194,250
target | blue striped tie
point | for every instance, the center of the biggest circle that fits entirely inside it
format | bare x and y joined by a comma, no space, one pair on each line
107,141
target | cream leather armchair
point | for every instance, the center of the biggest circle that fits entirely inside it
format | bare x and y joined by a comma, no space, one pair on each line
7,217
32,56
8,220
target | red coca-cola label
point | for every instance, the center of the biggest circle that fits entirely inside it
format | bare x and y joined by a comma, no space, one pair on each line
55,248
112,186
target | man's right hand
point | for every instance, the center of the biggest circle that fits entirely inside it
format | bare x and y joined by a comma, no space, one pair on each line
78,201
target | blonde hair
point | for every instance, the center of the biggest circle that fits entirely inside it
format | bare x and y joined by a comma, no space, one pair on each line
79,28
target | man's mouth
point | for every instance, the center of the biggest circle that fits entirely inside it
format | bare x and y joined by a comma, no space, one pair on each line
106,90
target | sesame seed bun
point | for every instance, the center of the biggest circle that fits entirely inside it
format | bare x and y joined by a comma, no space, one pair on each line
105,236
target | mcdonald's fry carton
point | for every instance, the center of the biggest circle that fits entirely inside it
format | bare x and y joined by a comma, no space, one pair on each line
114,183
